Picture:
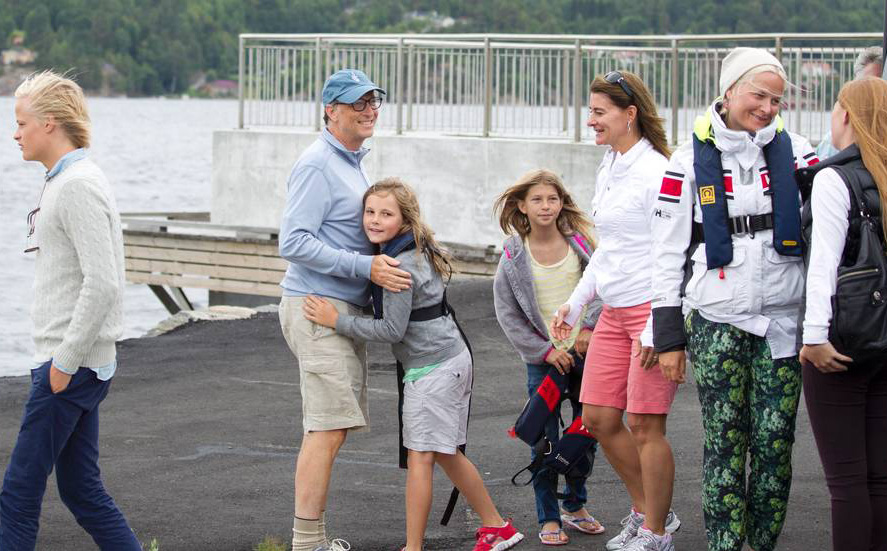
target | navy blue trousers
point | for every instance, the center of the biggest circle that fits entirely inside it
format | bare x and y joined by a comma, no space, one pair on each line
62,431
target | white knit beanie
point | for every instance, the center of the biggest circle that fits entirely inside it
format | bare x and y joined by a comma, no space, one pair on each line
742,60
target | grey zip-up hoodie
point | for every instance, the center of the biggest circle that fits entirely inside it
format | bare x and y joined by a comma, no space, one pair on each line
514,296
413,343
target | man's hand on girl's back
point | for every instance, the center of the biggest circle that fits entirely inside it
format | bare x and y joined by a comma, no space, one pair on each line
386,274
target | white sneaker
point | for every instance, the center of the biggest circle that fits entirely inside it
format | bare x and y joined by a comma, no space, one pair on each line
335,545
672,522
648,541
630,525
632,522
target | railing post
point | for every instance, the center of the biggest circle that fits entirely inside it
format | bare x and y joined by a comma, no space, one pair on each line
318,85
565,88
779,48
398,86
675,107
488,87
240,74
577,92
411,78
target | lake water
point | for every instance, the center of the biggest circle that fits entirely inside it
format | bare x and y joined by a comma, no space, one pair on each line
157,153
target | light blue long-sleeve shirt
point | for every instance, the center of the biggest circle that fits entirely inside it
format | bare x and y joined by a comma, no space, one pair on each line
321,234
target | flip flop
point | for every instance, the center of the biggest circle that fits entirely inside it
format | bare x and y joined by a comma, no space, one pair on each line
548,533
577,523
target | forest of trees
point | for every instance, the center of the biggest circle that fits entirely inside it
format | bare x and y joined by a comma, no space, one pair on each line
151,47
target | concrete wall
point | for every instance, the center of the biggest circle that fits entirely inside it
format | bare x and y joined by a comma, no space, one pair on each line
457,178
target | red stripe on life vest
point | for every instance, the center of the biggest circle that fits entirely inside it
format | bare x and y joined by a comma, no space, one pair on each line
671,186
728,184
550,393
576,427
765,180
812,161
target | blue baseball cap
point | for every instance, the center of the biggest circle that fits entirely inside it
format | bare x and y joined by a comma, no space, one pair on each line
347,86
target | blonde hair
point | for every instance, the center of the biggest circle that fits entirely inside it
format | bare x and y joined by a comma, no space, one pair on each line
408,203
571,219
648,120
865,101
56,96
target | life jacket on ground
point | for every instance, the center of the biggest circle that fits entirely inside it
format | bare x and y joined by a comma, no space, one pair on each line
402,243
717,226
570,455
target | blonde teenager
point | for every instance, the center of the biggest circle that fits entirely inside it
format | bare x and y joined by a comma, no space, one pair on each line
549,245
75,237
847,400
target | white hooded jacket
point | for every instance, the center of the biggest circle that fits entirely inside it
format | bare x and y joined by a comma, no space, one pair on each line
759,291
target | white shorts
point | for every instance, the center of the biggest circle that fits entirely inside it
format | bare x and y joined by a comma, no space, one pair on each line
435,407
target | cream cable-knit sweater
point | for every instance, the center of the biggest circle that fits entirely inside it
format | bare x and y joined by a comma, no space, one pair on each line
79,277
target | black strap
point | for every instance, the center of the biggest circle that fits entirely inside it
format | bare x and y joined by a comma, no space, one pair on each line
434,311
454,495
425,314
738,225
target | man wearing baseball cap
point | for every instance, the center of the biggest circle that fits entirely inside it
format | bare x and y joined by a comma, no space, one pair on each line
322,237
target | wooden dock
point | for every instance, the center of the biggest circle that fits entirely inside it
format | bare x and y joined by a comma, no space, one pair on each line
174,251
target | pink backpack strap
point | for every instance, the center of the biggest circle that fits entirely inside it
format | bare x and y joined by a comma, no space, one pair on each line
578,238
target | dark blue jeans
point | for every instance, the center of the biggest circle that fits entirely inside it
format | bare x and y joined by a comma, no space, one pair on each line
60,430
545,485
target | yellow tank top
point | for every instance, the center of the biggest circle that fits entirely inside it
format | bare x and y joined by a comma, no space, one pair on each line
553,285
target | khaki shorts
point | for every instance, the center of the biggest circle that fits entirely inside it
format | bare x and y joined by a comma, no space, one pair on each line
332,369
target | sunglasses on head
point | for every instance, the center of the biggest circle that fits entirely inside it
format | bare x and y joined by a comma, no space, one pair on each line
615,77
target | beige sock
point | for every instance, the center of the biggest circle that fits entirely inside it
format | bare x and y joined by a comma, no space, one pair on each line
307,534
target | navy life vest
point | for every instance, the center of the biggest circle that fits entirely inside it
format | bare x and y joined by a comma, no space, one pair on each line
717,225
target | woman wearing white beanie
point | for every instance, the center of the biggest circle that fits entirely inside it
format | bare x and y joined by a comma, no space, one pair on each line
729,213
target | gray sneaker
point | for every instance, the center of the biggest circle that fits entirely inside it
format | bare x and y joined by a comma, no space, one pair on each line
335,545
672,523
646,540
630,525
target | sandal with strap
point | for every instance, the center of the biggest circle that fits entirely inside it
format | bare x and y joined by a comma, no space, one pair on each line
559,534
586,525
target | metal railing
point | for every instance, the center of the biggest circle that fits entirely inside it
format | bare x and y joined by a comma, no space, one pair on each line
528,86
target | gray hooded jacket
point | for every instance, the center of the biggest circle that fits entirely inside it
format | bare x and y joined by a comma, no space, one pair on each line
514,296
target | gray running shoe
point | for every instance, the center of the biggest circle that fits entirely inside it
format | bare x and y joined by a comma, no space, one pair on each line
630,525
646,540
672,523
335,545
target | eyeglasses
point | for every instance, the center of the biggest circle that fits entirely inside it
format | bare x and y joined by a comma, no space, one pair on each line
361,104
32,220
615,77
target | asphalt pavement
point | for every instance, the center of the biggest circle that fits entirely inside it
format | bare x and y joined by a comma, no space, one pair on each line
202,425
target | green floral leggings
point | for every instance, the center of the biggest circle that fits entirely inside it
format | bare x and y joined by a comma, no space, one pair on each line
749,404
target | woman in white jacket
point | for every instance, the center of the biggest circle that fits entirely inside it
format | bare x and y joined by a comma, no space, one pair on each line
728,216
617,377
847,399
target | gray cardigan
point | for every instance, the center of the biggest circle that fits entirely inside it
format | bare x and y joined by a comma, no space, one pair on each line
413,343
514,296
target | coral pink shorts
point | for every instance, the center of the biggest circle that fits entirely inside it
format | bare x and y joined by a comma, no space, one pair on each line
615,378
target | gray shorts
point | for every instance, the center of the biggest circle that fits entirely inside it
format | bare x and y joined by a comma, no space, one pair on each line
435,407
332,369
